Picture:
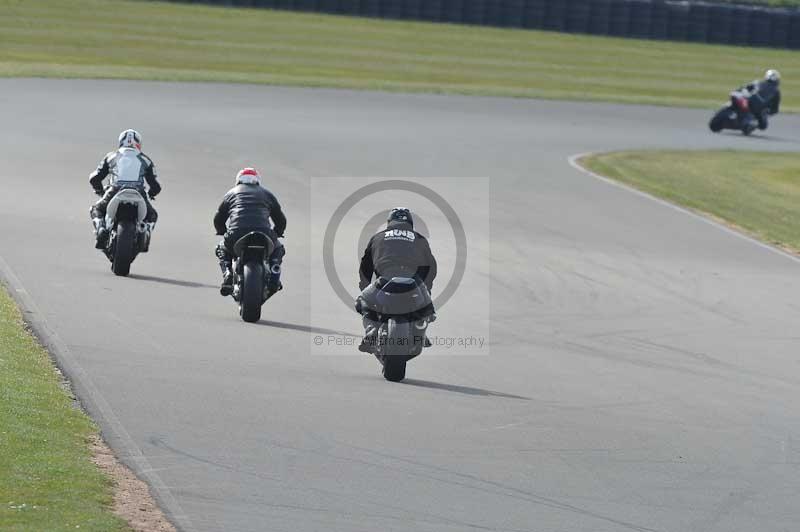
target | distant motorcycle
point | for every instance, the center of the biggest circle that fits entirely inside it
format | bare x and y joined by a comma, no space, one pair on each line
129,233
404,310
251,271
735,115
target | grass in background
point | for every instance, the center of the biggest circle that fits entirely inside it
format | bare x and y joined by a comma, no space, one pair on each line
758,192
772,3
47,481
178,42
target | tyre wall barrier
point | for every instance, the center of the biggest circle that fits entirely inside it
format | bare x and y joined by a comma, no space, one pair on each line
677,20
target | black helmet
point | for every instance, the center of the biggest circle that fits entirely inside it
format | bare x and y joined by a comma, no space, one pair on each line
401,214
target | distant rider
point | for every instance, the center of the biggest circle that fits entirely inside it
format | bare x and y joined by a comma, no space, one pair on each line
127,167
249,207
764,98
397,251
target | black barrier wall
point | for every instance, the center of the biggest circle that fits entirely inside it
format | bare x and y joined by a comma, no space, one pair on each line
649,19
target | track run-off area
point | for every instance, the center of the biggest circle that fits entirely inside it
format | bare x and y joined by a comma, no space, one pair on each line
641,372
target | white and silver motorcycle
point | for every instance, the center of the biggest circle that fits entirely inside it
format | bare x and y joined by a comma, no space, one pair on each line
129,234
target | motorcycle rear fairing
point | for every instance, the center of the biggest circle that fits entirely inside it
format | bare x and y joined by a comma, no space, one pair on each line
126,196
254,242
400,297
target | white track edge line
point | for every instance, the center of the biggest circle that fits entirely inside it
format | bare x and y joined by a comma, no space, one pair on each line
91,398
573,161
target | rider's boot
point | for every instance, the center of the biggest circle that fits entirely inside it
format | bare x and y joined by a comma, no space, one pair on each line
145,232
226,288
749,123
101,233
275,286
367,344
148,235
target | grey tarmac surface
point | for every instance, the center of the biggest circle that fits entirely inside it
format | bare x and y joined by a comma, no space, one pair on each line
643,370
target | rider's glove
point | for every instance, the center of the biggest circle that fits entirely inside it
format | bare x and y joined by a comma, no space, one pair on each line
98,191
151,196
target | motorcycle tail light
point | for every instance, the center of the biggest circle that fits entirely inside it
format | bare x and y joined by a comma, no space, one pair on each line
743,105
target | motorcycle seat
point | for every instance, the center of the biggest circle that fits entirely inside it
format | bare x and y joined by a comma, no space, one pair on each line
254,239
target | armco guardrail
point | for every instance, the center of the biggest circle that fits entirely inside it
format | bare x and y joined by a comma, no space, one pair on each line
650,19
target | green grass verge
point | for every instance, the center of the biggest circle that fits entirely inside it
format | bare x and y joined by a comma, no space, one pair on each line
772,3
47,481
757,192
178,42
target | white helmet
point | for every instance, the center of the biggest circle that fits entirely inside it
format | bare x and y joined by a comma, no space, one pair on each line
130,139
773,76
248,176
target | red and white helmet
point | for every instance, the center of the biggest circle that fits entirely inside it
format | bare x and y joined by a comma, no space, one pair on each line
248,176
130,138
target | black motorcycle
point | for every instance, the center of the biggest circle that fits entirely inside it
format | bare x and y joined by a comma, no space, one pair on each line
251,273
403,309
735,115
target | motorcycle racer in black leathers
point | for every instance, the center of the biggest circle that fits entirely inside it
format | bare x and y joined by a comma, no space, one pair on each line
125,167
764,99
249,207
397,251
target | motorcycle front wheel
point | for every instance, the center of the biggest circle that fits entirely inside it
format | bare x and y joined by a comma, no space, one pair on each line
717,122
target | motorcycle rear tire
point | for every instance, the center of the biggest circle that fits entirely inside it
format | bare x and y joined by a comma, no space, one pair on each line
124,251
394,366
252,292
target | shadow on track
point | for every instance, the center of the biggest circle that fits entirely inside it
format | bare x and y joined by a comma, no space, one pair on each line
759,136
305,328
174,282
462,389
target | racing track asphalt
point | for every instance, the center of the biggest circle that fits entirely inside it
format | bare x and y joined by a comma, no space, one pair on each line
643,369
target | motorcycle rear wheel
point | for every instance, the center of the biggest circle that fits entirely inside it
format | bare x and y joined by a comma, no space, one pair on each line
394,366
124,248
252,292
